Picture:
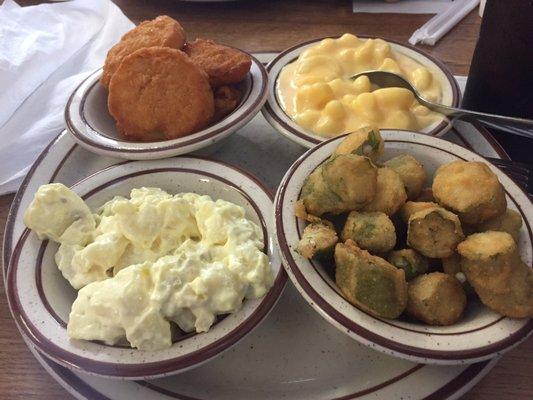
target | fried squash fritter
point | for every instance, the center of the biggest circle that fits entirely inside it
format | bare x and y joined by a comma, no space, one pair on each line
162,31
224,65
157,93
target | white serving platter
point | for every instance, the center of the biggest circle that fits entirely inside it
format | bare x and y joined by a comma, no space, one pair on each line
294,353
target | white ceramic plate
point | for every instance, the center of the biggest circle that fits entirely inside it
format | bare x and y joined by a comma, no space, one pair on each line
41,299
480,334
284,124
280,358
90,124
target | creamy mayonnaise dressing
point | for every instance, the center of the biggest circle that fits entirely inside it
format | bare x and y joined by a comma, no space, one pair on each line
151,259
317,92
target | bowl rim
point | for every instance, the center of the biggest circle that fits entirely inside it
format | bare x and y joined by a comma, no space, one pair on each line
152,369
79,128
353,328
308,139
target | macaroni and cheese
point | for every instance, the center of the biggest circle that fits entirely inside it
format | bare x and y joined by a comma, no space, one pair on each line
316,90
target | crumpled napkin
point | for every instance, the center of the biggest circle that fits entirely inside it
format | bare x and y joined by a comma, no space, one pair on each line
45,52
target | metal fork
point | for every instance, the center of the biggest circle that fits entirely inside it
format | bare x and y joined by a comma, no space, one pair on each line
521,173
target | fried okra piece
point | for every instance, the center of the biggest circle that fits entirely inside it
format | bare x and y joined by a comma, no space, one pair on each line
411,207
390,192
369,282
471,190
411,172
318,240
362,142
436,299
372,231
452,266
434,232
510,221
412,263
503,282
426,195
342,183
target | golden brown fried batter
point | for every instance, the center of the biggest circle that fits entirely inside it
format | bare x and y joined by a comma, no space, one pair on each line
162,31
318,240
411,207
342,183
434,232
372,231
370,282
436,299
363,142
157,93
471,190
493,267
227,99
509,222
410,261
412,173
224,65
426,195
390,193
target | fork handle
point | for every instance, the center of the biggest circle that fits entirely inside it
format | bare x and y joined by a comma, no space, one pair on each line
517,126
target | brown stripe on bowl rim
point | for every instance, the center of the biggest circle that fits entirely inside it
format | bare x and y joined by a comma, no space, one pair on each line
136,370
315,299
269,113
471,373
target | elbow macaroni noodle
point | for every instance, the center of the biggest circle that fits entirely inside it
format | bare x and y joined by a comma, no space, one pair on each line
316,90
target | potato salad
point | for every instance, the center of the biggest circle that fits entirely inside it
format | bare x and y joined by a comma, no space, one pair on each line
146,261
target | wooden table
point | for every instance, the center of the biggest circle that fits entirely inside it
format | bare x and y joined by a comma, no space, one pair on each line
271,25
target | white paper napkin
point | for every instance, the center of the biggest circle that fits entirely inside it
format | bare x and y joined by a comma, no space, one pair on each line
45,52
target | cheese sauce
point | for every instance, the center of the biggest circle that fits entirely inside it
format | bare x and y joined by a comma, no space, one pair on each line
316,90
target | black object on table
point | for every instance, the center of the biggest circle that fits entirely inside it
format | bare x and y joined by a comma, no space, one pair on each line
501,74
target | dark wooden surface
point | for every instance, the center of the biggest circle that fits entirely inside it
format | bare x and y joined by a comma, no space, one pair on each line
271,25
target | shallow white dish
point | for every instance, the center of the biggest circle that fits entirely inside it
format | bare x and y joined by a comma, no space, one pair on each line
276,116
90,124
40,298
481,334
280,358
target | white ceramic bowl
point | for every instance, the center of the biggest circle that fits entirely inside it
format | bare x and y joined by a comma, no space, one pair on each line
276,116
90,124
480,334
40,298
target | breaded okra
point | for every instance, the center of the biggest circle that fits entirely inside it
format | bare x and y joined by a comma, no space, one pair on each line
411,172
318,239
372,231
369,282
434,232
